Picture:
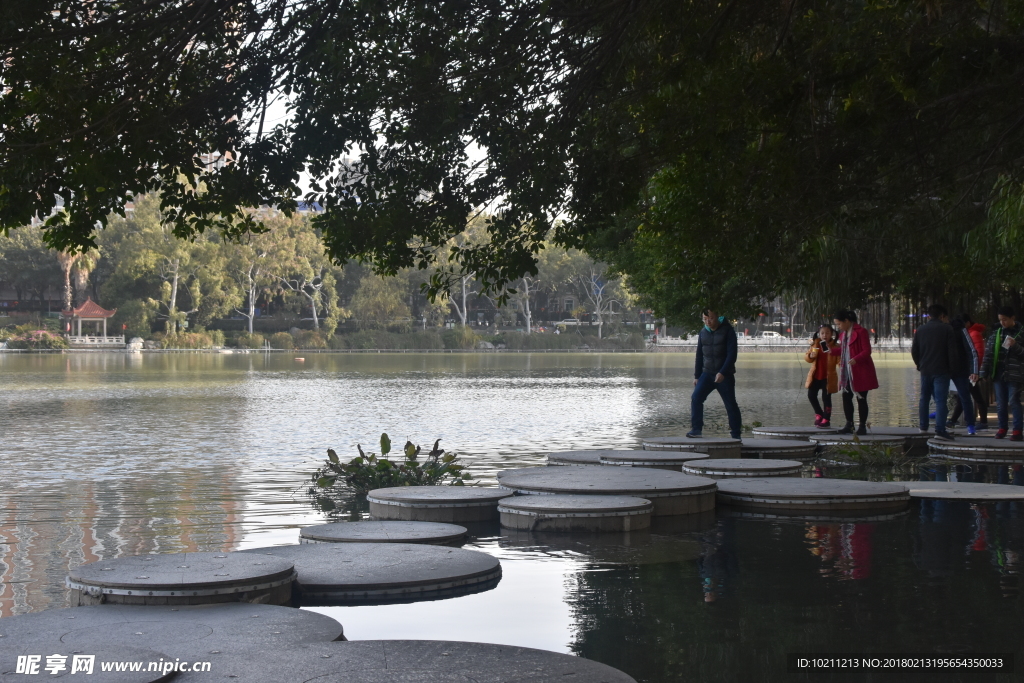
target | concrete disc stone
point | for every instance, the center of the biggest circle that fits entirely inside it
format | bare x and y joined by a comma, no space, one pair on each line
408,661
854,440
384,531
744,467
792,449
175,631
979,449
791,432
377,573
178,576
580,457
654,459
449,504
962,490
671,492
812,495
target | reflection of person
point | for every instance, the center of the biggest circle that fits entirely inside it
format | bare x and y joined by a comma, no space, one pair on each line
715,370
822,377
856,369
716,562
1004,363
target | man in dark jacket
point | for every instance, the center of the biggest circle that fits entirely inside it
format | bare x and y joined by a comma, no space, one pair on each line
936,354
715,369
967,365
1004,363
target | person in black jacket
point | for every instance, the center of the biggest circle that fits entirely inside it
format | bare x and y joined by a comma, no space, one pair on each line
967,365
1004,363
935,353
715,369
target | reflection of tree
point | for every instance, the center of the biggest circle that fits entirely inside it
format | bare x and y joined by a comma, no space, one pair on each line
652,622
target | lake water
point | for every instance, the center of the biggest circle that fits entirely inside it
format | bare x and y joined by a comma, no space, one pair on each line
103,455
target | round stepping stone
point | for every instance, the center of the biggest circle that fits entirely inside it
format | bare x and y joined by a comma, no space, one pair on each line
378,573
435,503
962,490
791,432
714,446
659,460
979,449
184,632
88,669
855,441
575,513
777,494
913,438
577,458
182,579
787,449
743,467
408,661
672,493
433,533
802,517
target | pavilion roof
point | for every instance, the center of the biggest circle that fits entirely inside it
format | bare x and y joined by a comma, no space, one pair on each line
90,309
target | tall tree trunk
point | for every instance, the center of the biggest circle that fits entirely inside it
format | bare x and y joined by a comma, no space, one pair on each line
172,307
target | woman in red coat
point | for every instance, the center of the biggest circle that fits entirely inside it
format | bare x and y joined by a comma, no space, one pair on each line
856,370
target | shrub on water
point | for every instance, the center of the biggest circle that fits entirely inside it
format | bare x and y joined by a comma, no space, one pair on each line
460,338
191,340
36,339
282,340
309,339
249,341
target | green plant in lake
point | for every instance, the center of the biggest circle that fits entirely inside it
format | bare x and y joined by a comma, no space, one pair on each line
369,471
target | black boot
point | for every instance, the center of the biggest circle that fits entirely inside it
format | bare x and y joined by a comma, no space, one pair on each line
847,429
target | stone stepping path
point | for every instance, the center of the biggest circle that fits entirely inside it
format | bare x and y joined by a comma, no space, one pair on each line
962,490
451,504
979,449
407,661
775,494
182,579
790,449
785,432
672,493
66,658
379,573
743,467
661,460
183,632
392,531
714,446
855,441
575,513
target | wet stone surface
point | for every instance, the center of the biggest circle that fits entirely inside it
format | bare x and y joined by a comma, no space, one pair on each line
361,573
384,531
409,661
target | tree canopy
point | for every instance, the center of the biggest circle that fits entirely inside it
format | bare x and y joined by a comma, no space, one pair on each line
717,152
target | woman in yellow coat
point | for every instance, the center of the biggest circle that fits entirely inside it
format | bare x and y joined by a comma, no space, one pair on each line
823,376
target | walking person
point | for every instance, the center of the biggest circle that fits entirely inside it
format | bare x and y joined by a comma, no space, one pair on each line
1004,364
856,369
715,370
979,389
822,377
935,353
968,365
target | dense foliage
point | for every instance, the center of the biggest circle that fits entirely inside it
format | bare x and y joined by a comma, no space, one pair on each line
717,152
369,471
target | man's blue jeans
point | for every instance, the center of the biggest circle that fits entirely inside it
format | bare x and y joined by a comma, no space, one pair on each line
1008,392
937,387
727,390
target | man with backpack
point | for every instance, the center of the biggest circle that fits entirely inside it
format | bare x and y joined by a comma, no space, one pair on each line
936,354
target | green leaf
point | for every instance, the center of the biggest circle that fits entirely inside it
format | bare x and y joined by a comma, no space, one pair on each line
332,455
385,444
326,482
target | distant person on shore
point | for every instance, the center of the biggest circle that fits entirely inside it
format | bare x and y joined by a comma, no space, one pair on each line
936,356
1004,364
822,377
715,369
856,369
968,365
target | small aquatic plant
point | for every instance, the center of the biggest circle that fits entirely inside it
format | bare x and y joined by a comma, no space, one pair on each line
368,471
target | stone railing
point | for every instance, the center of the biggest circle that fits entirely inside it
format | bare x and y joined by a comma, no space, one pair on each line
96,340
